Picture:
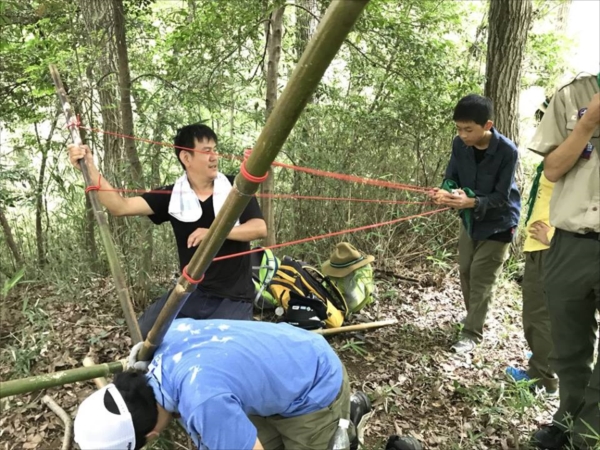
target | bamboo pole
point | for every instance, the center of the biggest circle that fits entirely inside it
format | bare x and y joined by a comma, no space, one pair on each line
109,246
358,327
22,386
337,22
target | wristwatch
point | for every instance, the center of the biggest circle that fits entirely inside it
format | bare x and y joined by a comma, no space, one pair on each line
476,204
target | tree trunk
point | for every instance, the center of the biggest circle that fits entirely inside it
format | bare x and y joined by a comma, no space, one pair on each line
274,33
141,230
98,17
509,22
563,15
307,13
10,240
39,194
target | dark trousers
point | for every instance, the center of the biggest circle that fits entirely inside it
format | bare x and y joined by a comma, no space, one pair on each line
199,305
572,285
536,321
480,263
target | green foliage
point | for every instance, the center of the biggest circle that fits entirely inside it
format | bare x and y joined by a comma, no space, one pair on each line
382,111
9,284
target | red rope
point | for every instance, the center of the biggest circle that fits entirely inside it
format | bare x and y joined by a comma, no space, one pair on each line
247,175
274,196
95,188
335,233
315,172
190,279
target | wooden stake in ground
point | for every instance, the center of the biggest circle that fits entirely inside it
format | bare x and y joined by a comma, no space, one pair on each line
337,22
109,245
100,382
68,436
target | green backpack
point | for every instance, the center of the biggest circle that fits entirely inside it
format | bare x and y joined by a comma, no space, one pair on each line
264,266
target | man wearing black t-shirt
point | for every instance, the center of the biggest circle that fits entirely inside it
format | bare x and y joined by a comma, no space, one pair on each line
482,165
190,206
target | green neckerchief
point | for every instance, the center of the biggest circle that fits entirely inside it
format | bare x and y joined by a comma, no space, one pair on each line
535,185
450,185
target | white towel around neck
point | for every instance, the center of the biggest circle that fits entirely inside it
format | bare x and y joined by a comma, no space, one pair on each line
185,205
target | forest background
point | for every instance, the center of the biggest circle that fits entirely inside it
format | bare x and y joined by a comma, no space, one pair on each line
144,68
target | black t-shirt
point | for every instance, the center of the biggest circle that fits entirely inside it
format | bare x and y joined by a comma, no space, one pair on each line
230,278
479,154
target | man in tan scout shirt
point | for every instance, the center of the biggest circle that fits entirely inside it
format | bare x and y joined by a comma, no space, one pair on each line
568,138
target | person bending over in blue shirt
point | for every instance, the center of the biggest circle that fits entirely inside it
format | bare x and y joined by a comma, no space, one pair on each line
233,385
480,183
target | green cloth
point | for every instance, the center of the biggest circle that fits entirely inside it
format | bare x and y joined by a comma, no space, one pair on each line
535,185
450,185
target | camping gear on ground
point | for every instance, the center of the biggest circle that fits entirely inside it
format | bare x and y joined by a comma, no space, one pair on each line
307,312
264,266
297,276
352,273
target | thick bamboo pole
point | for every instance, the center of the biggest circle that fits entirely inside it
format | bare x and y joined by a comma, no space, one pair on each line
15,387
337,22
109,246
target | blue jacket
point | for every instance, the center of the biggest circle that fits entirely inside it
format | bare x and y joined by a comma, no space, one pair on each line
492,180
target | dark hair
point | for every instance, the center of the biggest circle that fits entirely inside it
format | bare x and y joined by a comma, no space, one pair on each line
140,401
474,108
187,136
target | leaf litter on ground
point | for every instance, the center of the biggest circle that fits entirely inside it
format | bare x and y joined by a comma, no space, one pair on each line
417,386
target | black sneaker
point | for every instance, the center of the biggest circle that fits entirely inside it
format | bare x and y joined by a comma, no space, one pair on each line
403,443
359,406
550,437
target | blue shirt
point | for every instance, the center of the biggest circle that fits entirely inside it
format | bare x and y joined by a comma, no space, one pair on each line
492,180
215,373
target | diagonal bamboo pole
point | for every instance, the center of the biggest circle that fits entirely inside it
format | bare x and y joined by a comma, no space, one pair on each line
25,385
109,246
22,386
337,22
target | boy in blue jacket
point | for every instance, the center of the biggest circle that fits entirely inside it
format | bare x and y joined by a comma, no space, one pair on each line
480,183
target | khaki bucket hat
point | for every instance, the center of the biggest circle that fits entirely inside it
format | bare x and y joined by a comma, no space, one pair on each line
344,260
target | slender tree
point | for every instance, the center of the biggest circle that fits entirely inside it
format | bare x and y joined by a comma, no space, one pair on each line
273,36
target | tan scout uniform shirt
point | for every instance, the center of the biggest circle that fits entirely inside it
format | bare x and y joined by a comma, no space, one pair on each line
575,204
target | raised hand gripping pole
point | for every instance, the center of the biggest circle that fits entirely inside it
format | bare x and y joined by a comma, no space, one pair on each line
109,246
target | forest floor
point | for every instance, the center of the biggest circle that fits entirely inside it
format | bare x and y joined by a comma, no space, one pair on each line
417,386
